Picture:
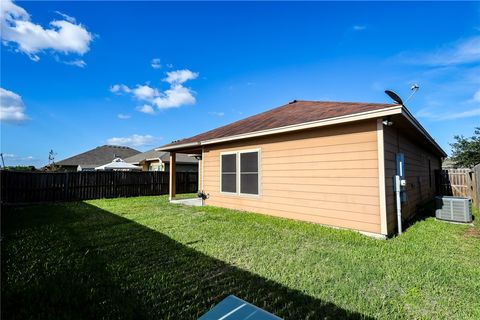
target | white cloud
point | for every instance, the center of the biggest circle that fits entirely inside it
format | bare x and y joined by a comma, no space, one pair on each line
135,140
77,63
66,17
459,115
12,108
176,96
140,92
448,115
145,92
65,36
461,52
359,27
146,108
180,76
123,116
9,155
155,63
218,114
13,160
476,96
119,88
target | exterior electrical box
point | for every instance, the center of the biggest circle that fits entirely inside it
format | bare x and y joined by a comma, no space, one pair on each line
456,209
399,182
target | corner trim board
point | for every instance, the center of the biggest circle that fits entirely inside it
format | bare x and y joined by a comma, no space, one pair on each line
381,178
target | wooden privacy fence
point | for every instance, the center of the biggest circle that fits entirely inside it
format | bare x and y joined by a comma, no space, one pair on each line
461,182
32,187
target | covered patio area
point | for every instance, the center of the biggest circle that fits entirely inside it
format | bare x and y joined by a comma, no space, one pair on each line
194,201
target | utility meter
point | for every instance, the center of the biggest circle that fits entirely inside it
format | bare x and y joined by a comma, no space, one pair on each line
400,184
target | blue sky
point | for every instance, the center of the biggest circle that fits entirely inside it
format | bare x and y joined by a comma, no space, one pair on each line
78,75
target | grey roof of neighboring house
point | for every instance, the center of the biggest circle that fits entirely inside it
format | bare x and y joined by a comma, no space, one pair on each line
448,163
98,156
164,156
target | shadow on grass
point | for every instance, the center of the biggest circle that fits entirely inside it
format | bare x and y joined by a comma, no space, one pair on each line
78,261
422,212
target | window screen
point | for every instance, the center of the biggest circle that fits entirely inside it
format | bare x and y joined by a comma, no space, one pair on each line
229,173
249,172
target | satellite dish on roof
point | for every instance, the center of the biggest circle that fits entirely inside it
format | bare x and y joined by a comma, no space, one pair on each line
394,97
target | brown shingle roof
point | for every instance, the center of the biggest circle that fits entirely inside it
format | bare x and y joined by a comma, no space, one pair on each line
98,156
295,112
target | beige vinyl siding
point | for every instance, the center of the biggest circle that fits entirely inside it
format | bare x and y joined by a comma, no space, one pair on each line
327,175
419,190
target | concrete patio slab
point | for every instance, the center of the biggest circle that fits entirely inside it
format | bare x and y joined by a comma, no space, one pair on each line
189,202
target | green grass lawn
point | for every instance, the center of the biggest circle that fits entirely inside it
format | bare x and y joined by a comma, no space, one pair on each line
145,258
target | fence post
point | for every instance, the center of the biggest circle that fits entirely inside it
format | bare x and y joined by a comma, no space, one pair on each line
476,185
65,186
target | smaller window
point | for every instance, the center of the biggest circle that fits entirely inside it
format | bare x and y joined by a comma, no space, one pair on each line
249,173
229,173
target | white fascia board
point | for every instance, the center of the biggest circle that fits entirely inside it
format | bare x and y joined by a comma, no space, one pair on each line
179,146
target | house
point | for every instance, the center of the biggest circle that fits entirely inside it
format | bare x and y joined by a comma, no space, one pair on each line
448,164
331,163
153,160
89,160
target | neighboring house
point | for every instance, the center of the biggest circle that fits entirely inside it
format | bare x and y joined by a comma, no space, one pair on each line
448,164
331,163
153,160
89,160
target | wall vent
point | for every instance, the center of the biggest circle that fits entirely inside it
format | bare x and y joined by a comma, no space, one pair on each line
455,209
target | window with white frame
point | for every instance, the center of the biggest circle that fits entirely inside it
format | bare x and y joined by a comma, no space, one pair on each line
249,172
240,172
229,173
